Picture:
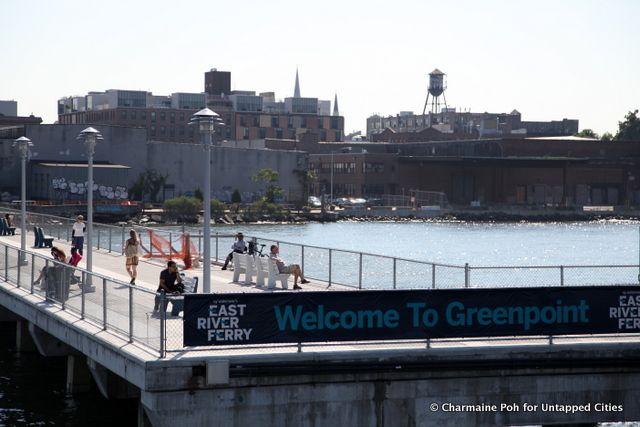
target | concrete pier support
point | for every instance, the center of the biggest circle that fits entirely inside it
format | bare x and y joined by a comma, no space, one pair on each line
24,341
111,385
48,345
78,375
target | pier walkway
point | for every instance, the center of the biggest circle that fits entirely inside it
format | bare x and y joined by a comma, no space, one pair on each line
108,333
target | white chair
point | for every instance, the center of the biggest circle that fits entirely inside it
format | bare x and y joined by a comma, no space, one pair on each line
275,275
239,266
262,270
250,268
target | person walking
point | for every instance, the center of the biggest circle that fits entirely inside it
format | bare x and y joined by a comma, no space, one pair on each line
77,233
239,246
131,251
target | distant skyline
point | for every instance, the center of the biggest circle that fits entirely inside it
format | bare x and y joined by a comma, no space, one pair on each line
548,59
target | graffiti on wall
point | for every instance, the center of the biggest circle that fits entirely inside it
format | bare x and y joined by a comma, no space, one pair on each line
69,188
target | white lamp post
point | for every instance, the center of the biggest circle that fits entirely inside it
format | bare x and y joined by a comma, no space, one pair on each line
23,143
90,137
206,121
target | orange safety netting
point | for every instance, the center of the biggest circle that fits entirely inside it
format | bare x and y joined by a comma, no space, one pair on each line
161,248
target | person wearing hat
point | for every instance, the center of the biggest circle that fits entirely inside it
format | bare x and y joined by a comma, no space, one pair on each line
239,246
77,233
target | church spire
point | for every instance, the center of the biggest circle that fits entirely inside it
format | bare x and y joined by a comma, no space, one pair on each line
335,106
296,91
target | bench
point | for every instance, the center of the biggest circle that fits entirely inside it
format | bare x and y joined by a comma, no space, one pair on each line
243,263
275,275
5,230
41,240
262,270
177,301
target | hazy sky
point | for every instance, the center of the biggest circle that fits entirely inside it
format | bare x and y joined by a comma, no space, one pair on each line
548,59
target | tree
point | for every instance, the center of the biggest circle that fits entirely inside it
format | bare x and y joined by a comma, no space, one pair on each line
235,197
306,177
587,133
629,129
270,178
606,136
149,183
182,208
198,194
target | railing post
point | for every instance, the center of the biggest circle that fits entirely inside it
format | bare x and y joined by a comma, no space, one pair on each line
109,239
209,237
122,242
82,290
466,275
58,232
6,263
561,275
130,313
98,239
433,276
394,273
67,228
199,243
33,271
19,267
163,332
104,304
330,266
360,273
170,244
302,257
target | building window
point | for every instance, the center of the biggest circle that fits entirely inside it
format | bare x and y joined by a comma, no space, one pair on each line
181,117
172,131
133,115
163,116
344,167
163,130
153,130
143,115
172,117
181,130
278,133
153,116
245,133
373,167
263,133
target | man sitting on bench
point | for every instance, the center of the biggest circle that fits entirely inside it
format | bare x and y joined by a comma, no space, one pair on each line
287,269
168,279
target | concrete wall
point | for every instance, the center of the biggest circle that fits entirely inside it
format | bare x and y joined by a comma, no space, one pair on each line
231,168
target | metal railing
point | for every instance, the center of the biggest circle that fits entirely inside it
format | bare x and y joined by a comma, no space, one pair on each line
111,304
127,310
361,270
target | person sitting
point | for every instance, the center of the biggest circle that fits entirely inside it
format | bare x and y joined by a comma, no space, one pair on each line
48,272
239,246
7,217
75,257
170,282
287,269
73,261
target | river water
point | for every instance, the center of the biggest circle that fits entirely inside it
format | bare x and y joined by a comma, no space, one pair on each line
32,388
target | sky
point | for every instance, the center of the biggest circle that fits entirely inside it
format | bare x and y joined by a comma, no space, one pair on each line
550,60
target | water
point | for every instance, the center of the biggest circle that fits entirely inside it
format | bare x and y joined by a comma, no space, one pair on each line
32,393
497,244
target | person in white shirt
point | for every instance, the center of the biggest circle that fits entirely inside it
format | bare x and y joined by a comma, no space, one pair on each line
239,246
289,269
77,233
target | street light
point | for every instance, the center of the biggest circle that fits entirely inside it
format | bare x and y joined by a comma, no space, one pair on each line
206,121
90,137
23,143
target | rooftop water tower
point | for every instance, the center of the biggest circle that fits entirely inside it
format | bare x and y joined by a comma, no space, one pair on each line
437,86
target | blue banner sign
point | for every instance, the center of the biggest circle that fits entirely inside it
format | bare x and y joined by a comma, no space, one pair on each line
288,317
